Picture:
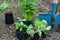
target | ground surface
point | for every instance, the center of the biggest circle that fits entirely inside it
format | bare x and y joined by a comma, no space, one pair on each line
7,32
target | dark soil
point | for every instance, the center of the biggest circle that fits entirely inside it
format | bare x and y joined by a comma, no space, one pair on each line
7,32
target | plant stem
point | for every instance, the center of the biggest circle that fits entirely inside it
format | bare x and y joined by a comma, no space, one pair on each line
10,6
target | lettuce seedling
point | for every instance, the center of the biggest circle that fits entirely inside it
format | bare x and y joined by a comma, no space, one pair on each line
3,6
20,26
39,26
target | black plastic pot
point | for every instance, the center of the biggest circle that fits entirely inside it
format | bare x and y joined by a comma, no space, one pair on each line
43,35
27,22
21,35
9,18
37,37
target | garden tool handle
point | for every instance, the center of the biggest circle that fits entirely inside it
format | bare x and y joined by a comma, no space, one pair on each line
54,7
54,10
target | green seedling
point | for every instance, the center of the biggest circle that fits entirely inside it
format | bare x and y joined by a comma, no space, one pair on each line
20,25
28,8
38,28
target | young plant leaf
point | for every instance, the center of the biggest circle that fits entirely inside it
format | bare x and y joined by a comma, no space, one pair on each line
17,26
37,23
42,28
21,1
3,6
21,29
1,11
43,22
30,31
29,27
20,20
48,28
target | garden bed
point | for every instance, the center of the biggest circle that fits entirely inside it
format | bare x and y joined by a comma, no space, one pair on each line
7,32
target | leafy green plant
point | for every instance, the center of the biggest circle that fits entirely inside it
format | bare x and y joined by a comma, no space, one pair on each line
28,8
20,25
3,6
39,26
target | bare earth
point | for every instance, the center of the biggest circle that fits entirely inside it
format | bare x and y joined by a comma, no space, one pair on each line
7,32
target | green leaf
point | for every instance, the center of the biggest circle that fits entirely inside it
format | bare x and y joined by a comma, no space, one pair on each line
31,32
28,10
17,26
21,29
48,28
42,28
37,23
22,23
19,19
23,19
35,1
1,11
43,25
4,5
21,1
43,22
29,27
